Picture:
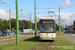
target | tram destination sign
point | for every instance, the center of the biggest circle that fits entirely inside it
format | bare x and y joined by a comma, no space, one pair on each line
46,22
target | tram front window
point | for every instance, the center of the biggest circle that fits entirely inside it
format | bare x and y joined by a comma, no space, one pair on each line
47,26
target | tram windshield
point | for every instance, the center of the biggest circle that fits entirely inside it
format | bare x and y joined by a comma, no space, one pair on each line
46,26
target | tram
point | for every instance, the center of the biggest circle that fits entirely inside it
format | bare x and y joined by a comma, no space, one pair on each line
47,29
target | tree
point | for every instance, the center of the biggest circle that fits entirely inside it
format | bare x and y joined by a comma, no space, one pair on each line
5,25
13,23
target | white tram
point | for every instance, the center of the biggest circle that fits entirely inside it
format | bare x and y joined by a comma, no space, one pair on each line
47,29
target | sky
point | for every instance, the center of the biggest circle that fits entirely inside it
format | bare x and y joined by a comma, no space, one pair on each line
67,10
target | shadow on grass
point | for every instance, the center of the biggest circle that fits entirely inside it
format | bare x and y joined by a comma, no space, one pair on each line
37,39
47,40
34,39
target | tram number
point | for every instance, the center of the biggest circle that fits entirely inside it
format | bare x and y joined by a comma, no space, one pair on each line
47,35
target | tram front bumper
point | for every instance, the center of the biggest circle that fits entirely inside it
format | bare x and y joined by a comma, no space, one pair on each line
47,38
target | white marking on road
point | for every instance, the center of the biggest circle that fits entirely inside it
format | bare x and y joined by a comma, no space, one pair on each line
73,34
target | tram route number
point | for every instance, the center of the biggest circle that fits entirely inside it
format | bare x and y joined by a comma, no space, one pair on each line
47,35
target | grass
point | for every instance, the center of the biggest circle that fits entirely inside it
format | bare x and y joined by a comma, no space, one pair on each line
42,47
7,37
62,44
29,44
34,34
13,36
57,33
26,44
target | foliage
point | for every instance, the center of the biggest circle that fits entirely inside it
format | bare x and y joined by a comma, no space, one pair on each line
61,27
26,44
23,24
4,25
29,44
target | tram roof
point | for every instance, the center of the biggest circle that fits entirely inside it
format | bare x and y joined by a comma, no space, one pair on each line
47,18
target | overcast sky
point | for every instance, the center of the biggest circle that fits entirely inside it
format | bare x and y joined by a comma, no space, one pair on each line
67,11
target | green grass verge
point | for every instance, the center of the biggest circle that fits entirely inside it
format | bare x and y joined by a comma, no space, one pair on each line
34,34
29,44
57,33
12,37
62,44
26,44
7,37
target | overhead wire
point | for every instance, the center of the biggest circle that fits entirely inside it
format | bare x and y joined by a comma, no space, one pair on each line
37,2
4,3
47,3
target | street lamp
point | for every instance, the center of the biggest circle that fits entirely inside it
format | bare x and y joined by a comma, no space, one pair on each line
17,24
59,21
30,24
9,20
35,17
38,21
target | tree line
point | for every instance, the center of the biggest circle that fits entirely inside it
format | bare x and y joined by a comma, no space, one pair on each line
23,24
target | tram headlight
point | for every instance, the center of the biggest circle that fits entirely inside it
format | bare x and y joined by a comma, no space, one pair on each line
52,35
41,35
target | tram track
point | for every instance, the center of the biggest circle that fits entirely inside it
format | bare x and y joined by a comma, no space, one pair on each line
36,48
43,43
48,47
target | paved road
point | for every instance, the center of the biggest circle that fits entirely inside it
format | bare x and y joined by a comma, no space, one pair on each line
70,36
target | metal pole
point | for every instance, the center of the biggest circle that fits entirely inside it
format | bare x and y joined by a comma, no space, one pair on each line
38,20
9,22
17,24
62,27
24,24
35,17
59,21
30,24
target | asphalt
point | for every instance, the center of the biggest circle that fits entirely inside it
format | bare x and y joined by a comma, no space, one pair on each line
70,36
